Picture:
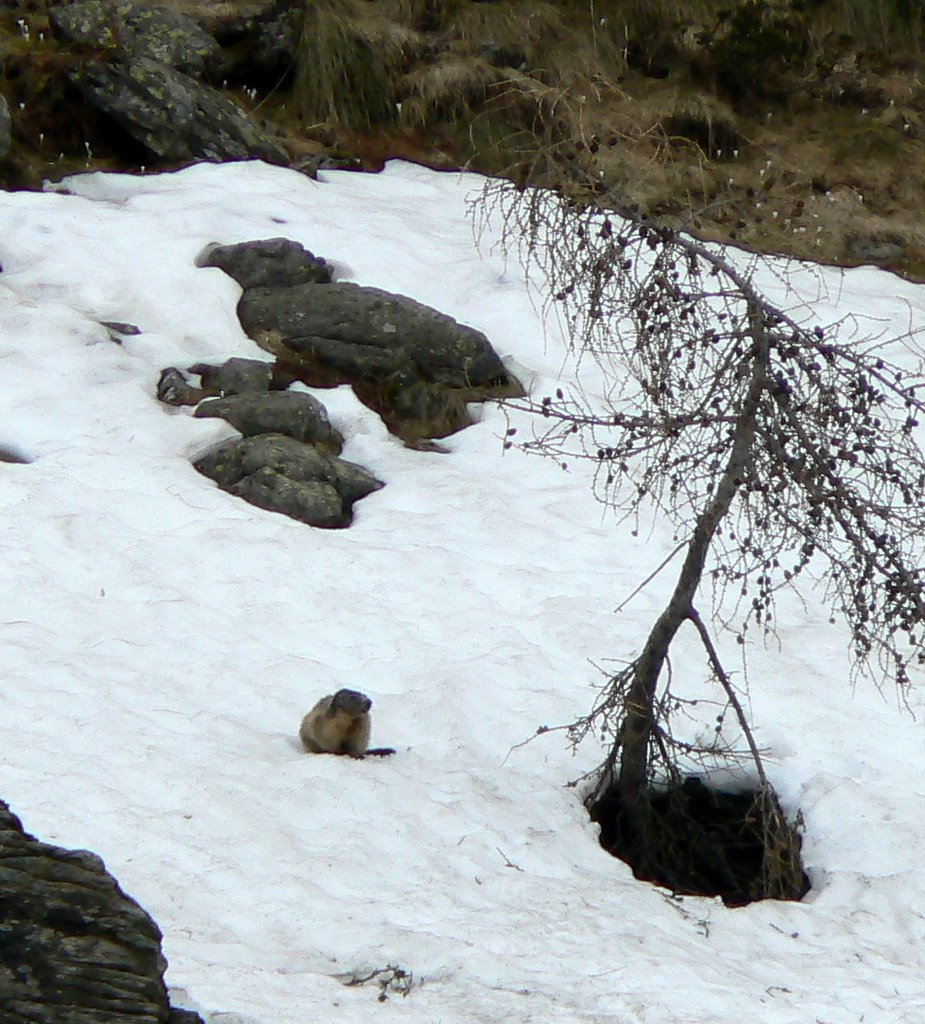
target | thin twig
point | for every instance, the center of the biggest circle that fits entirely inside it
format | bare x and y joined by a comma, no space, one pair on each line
726,684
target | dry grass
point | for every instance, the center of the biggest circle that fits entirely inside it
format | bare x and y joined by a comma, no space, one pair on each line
460,86
511,84
348,57
454,87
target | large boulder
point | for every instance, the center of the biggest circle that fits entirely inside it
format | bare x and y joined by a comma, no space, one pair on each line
284,475
353,332
74,948
174,117
140,30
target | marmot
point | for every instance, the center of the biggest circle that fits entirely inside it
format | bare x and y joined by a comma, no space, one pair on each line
339,724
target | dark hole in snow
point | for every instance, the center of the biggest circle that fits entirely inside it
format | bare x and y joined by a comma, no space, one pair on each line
9,453
699,841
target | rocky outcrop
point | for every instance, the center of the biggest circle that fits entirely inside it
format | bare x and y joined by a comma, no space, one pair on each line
279,473
150,81
74,948
287,459
415,366
175,117
140,30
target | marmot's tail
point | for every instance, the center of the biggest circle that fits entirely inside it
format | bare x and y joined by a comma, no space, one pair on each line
380,751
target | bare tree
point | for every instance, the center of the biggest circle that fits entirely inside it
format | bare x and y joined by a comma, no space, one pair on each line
775,446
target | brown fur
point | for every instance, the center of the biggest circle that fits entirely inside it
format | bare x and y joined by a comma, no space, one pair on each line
338,724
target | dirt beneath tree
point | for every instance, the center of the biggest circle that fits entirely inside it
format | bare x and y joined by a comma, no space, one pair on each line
699,841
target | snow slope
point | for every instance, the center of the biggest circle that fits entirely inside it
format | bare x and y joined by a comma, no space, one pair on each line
161,641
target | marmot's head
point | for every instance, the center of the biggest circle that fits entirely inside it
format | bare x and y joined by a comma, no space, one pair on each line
351,701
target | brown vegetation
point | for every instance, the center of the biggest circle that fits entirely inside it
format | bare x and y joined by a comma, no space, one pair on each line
782,125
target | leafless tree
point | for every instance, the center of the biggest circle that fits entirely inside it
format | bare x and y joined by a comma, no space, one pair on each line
776,447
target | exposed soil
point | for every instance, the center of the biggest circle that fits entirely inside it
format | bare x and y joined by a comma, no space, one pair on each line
704,842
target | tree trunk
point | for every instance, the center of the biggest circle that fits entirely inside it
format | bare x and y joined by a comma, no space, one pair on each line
639,720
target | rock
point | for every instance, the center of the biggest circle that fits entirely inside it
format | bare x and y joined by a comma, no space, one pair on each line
6,128
174,389
313,502
227,21
275,39
140,30
352,332
884,249
269,263
230,462
235,376
172,115
74,948
418,368
415,409
291,413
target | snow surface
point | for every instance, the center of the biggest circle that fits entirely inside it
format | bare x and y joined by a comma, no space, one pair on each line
161,641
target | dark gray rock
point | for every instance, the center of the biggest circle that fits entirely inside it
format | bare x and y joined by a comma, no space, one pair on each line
235,376
355,332
275,39
292,413
313,502
172,115
74,949
884,249
230,462
139,30
268,263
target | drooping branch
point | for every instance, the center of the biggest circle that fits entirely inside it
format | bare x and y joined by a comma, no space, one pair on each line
775,447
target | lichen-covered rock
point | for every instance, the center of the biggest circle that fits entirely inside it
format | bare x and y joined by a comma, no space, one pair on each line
268,263
228,21
356,332
310,501
74,949
172,115
231,462
277,412
140,30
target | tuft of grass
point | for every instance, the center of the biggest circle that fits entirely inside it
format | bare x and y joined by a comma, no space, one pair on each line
449,89
346,60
